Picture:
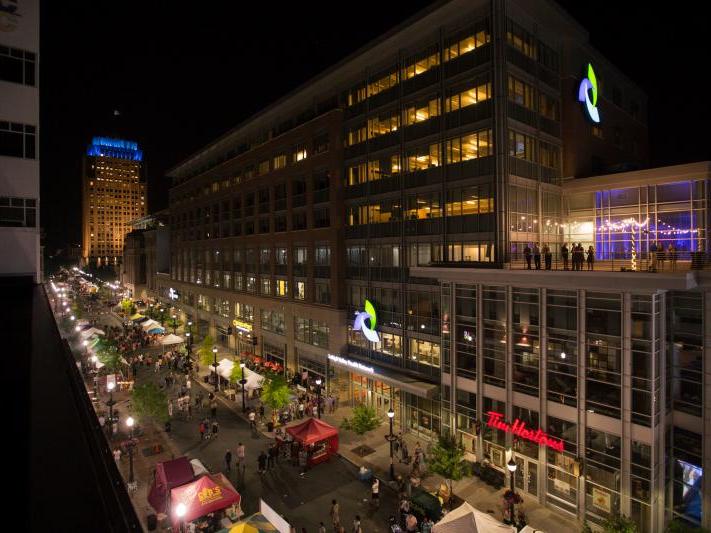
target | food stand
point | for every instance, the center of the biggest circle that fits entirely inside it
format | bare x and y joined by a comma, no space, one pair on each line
168,475
209,493
319,438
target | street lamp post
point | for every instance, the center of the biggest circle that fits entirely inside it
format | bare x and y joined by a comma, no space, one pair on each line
391,438
188,344
318,396
180,513
175,323
215,365
162,316
243,382
110,403
129,423
511,465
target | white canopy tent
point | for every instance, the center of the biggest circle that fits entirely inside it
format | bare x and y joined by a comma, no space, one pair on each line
171,339
254,380
224,368
529,529
150,324
467,519
90,332
198,468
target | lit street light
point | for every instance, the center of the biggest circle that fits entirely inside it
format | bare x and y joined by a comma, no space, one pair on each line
511,465
243,382
110,387
180,511
175,323
129,423
391,438
214,364
318,399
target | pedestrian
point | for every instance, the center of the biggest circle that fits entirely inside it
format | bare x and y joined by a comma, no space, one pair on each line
404,511
427,524
356,525
653,256
170,408
537,256
301,409
335,515
405,455
202,430
547,256
315,411
228,460
564,255
375,492
215,428
321,528
261,412
213,408
252,423
527,256
672,256
117,454
241,457
262,462
411,523
660,256
591,257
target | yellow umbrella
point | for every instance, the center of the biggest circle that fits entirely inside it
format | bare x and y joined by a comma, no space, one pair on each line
256,523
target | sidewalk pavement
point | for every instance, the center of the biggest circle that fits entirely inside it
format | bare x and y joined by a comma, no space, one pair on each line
471,489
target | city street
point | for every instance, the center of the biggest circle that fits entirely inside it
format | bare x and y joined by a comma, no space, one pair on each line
304,500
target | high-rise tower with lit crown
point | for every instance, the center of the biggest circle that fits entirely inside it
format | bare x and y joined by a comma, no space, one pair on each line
113,194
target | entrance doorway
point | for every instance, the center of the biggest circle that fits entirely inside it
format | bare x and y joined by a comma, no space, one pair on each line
526,477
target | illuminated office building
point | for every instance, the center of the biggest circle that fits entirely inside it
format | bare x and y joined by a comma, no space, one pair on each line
457,148
113,194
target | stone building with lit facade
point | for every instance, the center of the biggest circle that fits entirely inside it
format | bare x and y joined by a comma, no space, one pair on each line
113,194
423,174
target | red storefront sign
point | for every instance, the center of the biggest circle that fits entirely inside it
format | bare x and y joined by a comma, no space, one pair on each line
518,428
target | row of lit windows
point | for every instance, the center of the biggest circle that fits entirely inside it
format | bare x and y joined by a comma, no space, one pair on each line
524,146
471,200
456,48
417,112
524,94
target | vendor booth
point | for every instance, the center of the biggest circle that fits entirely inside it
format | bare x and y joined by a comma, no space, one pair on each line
148,324
319,438
466,519
170,340
256,523
137,317
209,493
168,475
91,331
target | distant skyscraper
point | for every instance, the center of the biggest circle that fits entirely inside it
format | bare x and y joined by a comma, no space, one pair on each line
19,128
113,195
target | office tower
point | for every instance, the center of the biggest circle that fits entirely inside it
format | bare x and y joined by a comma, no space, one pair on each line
113,195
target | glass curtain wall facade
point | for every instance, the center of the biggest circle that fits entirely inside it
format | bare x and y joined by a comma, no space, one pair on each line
604,352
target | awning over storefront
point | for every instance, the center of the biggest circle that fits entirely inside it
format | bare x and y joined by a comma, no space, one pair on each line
397,379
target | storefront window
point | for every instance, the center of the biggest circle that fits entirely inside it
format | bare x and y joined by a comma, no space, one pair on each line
494,439
687,496
562,470
389,344
602,454
466,419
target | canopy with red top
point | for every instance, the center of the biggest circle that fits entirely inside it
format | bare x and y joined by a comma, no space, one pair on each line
320,437
169,474
207,494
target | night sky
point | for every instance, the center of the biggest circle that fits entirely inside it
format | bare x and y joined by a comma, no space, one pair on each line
181,74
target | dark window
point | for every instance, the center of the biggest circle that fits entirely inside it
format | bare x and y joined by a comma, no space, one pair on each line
321,143
322,218
18,212
298,221
17,140
17,66
280,223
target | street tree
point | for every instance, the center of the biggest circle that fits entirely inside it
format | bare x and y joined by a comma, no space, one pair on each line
126,305
275,393
149,401
364,419
107,352
616,524
205,350
447,460
676,526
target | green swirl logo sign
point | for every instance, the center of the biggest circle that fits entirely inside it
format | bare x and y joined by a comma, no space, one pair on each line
365,321
587,94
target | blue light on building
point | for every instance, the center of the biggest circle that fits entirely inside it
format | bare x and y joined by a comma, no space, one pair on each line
117,148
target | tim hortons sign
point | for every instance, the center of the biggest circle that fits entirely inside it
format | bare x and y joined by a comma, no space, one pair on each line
518,428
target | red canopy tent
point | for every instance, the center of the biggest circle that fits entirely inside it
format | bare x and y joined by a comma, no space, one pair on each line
207,494
169,474
321,437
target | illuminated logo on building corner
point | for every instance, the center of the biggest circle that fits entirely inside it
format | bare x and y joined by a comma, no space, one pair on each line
587,86
365,321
